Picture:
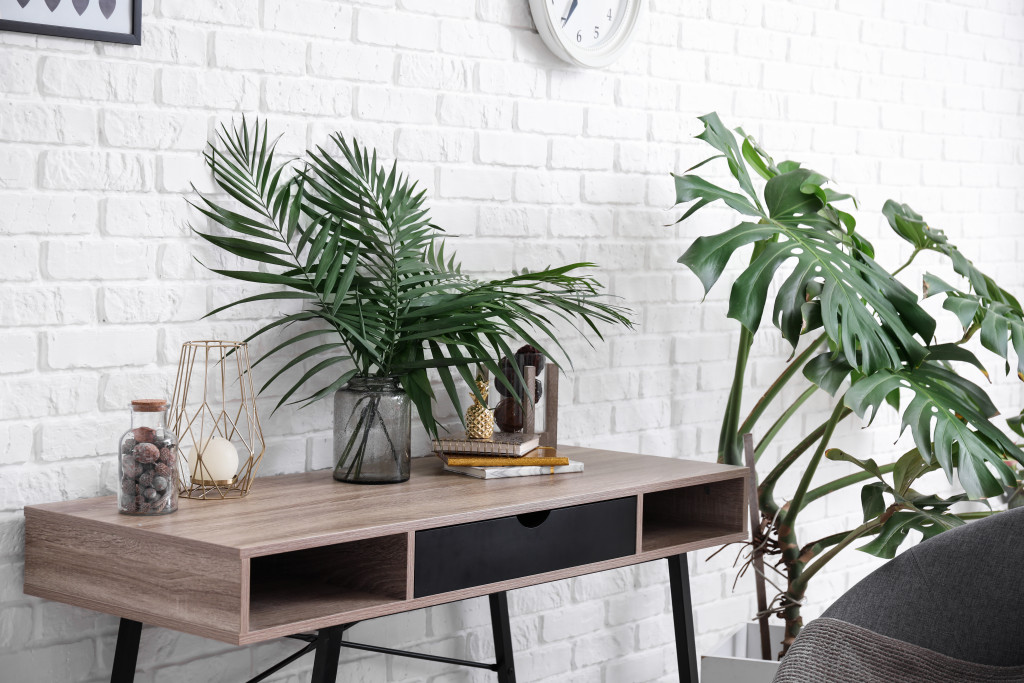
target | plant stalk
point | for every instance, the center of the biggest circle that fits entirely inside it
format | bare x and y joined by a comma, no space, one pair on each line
797,503
730,449
777,426
777,386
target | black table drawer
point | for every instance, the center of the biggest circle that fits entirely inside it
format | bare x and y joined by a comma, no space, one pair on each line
478,553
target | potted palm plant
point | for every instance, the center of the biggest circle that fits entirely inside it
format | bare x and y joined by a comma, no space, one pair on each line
382,304
859,335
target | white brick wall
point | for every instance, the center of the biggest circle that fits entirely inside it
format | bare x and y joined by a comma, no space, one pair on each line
541,163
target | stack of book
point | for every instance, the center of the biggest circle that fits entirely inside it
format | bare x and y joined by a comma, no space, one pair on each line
503,455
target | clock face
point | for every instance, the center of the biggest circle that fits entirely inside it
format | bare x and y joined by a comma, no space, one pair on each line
586,32
587,24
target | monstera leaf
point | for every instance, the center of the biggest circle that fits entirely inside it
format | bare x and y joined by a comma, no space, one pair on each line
986,306
872,319
928,514
948,417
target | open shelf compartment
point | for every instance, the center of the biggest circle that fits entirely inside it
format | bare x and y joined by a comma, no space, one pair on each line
319,582
691,514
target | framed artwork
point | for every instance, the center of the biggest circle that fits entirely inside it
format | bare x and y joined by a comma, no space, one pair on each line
112,21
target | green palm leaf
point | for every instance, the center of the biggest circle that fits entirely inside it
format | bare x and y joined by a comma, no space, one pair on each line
352,240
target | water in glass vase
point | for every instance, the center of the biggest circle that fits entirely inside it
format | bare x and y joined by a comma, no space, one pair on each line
372,425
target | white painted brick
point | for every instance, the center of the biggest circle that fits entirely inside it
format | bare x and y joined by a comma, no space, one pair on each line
476,183
98,259
178,44
582,154
236,50
431,144
102,347
47,305
388,104
402,30
92,79
512,149
15,447
227,12
616,123
356,62
452,8
437,72
475,39
17,72
146,216
306,96
309,17
511,79
154,129
25,122
580,222
476,112
17,168
582,86
209,89
612,188
512,221
20,258
549,117
547,188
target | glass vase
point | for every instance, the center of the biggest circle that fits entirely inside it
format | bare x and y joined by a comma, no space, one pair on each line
147,462
372,424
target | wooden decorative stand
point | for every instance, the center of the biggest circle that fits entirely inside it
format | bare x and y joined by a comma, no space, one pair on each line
308,554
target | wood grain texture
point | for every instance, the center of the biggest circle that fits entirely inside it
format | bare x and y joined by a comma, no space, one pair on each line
685,514
302,515
295,511
133,575
550,436
327,580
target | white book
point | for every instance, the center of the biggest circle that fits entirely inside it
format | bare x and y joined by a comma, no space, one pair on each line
526,471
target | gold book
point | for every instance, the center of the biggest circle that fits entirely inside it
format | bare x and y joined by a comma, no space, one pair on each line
457,460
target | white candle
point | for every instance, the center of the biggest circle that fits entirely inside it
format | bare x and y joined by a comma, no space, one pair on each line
220,460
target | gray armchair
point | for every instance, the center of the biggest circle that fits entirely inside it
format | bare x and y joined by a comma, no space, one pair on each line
949,609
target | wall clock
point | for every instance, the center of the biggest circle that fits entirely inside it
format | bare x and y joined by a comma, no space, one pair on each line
589,33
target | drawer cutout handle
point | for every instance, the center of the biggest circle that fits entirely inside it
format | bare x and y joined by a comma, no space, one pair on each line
532,520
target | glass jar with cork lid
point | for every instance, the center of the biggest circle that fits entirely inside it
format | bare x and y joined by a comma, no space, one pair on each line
147,462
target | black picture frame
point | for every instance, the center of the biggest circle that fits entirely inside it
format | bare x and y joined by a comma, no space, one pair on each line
133,38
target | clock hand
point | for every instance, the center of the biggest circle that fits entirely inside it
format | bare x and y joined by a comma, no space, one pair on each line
572,8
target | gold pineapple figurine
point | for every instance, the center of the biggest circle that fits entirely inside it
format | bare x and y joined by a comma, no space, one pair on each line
479,419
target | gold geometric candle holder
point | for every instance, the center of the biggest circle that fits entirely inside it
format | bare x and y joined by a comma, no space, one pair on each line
213,413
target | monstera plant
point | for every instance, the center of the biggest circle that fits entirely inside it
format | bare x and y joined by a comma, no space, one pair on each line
861,336
350,240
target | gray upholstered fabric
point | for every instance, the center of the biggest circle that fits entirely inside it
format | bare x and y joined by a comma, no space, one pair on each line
957,597
838,652
960,593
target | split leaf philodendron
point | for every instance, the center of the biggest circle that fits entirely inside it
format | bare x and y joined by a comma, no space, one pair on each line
870,346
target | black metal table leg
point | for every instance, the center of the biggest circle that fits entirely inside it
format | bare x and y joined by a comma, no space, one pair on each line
682,615
126,654
325,659
502,638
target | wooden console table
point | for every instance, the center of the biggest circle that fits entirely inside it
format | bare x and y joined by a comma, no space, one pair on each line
303,553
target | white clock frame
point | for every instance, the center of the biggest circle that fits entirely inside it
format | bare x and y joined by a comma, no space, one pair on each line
591,58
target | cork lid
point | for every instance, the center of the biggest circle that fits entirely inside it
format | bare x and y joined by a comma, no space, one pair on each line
149,405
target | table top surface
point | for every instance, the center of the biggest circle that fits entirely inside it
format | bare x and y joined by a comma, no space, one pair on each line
294,511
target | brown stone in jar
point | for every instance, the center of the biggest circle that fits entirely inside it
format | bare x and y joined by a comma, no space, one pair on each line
131,470
162,469
144,434
168,456
150,494
146,453
146,479
129,487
